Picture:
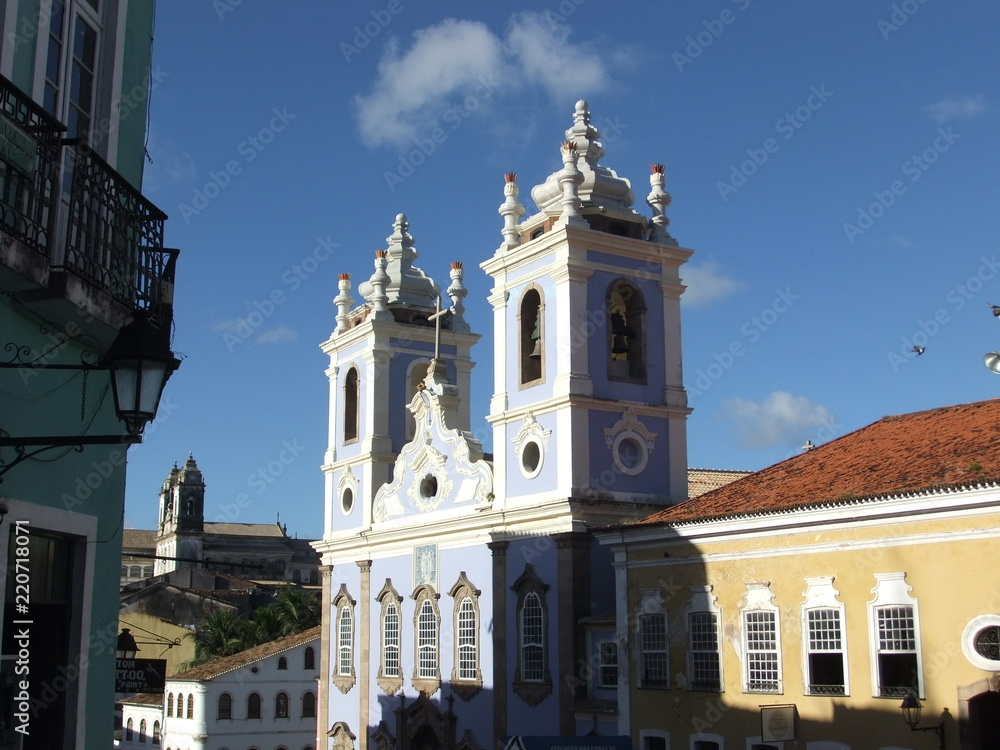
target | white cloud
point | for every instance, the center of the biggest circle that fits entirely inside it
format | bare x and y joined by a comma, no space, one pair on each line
413,88
544,54
780,419
278,335
458,63
957,108
706,284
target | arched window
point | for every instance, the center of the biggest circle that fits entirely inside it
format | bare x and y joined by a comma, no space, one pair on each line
282,662
225,706
124,571
147,571
253,706
531,348
170,704
281,706
142,731
532,679
343,641
190,705
135,572
426,630
180,705
351,396
156,732
626,332
389,676
309,705
129,729
309,658
466,676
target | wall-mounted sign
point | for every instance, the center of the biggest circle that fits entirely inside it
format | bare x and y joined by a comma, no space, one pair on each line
140,675
777,723
17,148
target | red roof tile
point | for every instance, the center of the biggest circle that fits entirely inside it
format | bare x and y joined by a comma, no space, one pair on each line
950,446
228,663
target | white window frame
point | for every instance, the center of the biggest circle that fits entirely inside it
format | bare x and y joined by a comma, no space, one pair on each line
343,669
820,595
759,601
654,733
651,608
892,590
703,602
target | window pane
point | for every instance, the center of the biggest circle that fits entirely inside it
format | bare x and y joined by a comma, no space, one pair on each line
762,654
653,634
704,639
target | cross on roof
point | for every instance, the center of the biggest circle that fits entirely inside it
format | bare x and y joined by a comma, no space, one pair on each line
436,317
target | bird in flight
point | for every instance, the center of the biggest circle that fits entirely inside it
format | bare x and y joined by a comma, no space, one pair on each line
918,350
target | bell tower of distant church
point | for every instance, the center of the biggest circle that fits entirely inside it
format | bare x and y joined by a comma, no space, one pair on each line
181,527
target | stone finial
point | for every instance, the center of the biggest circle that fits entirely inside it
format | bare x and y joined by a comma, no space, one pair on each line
378,282
407,284
658,199
511,211
457,292
570,179
343,301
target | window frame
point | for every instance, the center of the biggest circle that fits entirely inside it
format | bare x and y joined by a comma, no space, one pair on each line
229,707
352,405
892,591
530,587
701,604
257,706
465,682
529,316
426,677
390,601
759,610
343,673
281,705
821,597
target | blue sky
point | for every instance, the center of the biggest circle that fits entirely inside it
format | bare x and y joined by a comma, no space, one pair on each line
834,166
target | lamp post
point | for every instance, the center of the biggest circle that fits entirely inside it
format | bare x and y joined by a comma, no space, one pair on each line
140,362
911,715
126,648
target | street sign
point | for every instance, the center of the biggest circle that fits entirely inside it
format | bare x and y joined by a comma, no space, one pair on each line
140,675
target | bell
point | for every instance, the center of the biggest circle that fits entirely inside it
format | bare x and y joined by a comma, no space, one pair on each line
619,345
536,353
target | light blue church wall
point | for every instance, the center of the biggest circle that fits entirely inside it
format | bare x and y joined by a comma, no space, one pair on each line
547,478
605,476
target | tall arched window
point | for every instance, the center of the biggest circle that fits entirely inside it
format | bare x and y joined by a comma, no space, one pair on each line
253,706
351,396
170,704
190,705
531,342
532,678
225,706
466,676
156,732
626,332
389,676
281,705
343,660
282,662
180,705
142,731
309,705
309,658
426,627
129,729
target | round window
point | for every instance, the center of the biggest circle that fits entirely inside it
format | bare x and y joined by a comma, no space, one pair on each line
347,500
531,459
981,642
428,486
629,453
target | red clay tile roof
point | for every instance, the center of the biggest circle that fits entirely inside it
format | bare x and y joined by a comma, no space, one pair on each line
229,663
950,446
144,699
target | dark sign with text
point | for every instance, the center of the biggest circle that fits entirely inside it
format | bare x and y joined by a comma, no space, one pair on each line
140,675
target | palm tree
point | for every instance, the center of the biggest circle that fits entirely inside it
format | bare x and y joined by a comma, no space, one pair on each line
298,609
222,633
265,625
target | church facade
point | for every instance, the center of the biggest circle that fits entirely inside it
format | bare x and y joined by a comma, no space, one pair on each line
465,598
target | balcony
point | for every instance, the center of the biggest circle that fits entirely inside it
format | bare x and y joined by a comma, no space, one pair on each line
71,226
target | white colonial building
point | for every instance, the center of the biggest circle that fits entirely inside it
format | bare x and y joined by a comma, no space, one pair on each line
264,698
456,583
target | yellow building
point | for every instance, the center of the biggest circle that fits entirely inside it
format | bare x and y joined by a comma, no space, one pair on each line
799,606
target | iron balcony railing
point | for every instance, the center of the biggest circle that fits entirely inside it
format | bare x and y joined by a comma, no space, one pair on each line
66,203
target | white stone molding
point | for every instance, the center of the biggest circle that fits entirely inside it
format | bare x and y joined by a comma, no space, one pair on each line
630,433
531,434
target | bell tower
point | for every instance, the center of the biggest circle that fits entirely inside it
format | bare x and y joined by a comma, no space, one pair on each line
182,518
379,357
589,406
